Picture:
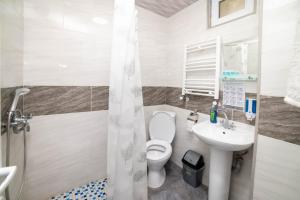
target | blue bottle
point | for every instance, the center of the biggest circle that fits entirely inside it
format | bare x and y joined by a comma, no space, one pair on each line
214,112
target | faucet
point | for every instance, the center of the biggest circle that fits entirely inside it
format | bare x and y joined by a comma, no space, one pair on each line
19,121
225,122
16,119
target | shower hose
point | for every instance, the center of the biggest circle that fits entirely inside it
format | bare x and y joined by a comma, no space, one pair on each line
8,154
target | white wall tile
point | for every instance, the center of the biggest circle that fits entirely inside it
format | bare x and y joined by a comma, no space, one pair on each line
64,151
278,38
277,170
11,43
64,46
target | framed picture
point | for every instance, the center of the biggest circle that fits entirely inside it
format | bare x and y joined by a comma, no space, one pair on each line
223,11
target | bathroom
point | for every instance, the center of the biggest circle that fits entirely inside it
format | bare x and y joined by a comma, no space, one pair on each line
66,52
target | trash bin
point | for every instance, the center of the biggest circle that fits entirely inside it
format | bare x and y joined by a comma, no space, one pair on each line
193,166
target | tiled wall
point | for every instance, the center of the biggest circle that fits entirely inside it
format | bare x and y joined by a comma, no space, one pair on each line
277,166
279,120
278,39
49,100
190,25
11,42
65,46
277,171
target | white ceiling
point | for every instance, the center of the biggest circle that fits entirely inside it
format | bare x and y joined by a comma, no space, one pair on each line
165,8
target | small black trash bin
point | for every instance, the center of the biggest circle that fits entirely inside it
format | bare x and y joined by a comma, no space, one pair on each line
193,166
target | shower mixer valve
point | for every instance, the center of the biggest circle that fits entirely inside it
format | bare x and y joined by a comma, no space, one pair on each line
19,121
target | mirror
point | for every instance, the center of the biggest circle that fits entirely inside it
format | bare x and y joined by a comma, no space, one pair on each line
241,57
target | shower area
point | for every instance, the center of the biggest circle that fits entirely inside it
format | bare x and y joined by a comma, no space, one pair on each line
55,67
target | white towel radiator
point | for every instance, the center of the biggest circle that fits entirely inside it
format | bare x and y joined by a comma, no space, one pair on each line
202,64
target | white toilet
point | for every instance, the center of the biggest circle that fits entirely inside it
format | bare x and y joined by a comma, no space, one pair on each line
162,131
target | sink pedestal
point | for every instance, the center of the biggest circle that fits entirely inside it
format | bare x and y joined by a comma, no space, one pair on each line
219,174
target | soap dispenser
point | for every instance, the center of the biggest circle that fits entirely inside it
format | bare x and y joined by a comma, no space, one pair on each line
214,112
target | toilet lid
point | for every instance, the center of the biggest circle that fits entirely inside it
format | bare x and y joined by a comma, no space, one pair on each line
162,127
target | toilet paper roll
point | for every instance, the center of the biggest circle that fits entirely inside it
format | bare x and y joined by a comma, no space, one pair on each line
189,125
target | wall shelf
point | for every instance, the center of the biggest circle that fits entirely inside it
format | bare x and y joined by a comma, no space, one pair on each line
242,77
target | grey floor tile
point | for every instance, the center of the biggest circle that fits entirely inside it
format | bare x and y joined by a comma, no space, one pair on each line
175,188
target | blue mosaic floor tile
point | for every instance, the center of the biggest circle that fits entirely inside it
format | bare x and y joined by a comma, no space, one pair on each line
91,191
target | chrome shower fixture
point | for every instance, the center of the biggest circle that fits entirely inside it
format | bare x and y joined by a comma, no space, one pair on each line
19,92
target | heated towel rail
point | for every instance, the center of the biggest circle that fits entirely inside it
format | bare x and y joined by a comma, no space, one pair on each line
202,64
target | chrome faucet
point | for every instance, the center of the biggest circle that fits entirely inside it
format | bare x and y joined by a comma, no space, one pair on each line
225,123
19,121
16,119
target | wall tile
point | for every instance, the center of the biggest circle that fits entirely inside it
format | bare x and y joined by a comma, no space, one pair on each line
65,46
190,26
100,95
64,151
154,96
200,103
173,95
277,171
45,100
279,120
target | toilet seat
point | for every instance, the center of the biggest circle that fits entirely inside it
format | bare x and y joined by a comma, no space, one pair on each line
162,126
158,150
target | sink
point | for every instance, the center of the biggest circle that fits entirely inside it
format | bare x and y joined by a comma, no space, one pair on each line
222,142
239,138
6,176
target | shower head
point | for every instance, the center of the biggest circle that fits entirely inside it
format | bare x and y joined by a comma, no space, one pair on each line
19,92
22,91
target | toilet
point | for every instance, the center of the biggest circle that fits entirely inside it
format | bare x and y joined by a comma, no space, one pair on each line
162,131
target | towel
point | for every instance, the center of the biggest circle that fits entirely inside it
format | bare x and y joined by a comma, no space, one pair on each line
293,90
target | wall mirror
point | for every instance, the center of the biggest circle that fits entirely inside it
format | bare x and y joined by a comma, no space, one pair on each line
222,11
241,57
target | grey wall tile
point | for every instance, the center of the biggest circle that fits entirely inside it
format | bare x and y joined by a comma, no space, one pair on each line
100,95
154,95
203,104
240,116
47,100
200,103
173,94
279,120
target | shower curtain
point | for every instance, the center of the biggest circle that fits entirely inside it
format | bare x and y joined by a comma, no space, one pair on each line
293,91
126,159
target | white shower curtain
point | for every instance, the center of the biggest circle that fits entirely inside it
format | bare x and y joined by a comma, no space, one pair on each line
293,91
126,159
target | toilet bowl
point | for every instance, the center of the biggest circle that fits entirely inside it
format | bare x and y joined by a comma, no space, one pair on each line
162,131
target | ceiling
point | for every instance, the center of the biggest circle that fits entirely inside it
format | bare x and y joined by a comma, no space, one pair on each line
166,8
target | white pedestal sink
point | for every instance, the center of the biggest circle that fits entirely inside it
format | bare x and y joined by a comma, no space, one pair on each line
223,142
